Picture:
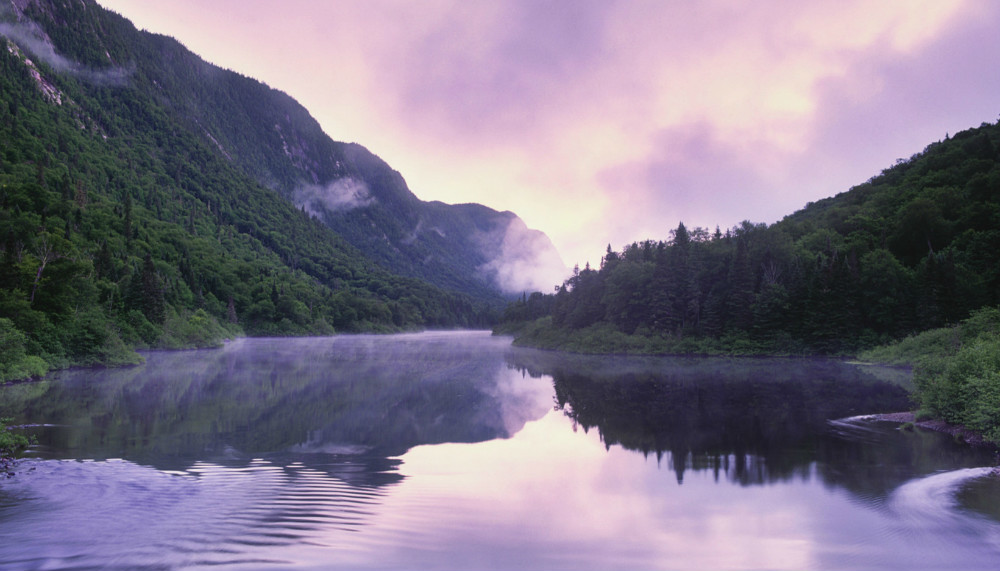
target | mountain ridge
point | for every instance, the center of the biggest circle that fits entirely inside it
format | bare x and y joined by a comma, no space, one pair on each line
277,141
274,139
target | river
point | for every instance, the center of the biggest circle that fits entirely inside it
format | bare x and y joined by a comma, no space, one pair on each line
455,450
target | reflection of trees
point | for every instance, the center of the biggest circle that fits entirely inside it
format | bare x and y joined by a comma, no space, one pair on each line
302,398
753,420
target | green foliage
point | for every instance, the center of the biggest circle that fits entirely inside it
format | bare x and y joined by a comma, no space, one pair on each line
14,362
938,343
908,351
191,330
964,389
11,443
956,371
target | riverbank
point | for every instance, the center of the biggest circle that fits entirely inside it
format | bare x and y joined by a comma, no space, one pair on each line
959,433
605,339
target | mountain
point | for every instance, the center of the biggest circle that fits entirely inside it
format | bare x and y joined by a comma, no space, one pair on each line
275,140
146,199
913,248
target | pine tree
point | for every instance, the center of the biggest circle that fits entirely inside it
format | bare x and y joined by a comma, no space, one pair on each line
151,301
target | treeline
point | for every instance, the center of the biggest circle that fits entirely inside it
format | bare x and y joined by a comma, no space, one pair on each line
913,248
120,228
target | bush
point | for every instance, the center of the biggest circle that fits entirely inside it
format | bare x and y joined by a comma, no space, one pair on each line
935,342
10,443
192,330
138,330
965,388
15,364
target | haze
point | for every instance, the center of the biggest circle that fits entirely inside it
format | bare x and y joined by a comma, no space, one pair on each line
605,122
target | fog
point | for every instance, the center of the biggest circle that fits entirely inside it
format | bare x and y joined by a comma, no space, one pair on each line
526,260
31,38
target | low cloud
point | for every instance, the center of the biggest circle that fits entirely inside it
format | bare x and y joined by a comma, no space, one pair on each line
32,39
337,196
525,259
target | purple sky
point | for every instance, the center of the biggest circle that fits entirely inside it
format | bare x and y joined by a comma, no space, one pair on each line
604,122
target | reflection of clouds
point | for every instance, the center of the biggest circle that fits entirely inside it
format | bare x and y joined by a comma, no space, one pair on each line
521,398
558,499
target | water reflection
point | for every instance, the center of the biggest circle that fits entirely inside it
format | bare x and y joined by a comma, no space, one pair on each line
366,397
749,421
456,451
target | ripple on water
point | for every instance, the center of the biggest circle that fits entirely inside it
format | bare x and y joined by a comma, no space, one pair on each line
118,515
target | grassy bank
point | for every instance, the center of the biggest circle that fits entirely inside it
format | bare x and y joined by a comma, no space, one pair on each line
605,339
98,342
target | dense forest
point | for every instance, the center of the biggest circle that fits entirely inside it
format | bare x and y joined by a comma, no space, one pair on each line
913,248
123,227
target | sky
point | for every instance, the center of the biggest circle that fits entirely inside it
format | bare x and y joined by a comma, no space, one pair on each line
604,122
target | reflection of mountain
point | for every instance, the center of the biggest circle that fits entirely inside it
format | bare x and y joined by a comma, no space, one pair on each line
368,397
756,420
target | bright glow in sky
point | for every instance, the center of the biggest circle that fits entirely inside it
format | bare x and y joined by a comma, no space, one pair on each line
603,122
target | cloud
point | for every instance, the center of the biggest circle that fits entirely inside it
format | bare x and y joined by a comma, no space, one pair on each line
342,194
492,69
688,165
524,260
889,105
31,38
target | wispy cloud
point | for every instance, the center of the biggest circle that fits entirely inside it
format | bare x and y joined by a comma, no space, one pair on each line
32,39
341,194
523,260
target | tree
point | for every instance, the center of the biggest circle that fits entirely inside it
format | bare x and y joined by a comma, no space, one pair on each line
739,303
146,292
45,253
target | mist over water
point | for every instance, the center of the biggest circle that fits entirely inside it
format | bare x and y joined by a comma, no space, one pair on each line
454,450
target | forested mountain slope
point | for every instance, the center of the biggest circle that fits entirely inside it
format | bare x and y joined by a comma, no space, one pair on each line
275,140
122,225
915,247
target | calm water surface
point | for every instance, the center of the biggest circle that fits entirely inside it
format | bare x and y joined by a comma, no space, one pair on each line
457,451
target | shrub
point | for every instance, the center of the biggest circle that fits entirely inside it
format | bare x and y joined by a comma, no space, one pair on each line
15,364
964,389
11,443
188,330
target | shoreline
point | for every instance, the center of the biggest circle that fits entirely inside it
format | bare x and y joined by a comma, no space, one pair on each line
959,433
966,435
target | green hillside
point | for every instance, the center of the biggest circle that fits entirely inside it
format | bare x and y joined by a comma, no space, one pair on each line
913,248
122,226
